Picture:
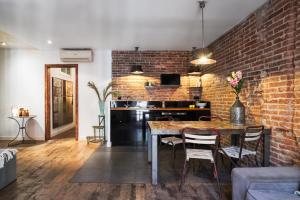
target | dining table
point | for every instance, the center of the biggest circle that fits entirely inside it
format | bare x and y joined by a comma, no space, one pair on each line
165,128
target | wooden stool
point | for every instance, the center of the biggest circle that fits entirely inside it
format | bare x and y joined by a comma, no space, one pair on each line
100,137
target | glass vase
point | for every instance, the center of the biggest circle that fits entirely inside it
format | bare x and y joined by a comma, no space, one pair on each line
102,107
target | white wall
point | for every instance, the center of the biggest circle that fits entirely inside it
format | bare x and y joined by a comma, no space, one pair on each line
22,84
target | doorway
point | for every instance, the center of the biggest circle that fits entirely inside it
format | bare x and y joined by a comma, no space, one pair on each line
61,99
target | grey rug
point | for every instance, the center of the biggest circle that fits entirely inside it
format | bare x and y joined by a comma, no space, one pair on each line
115,165
118,165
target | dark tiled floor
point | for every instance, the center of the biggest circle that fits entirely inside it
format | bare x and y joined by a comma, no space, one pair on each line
129,165
116,165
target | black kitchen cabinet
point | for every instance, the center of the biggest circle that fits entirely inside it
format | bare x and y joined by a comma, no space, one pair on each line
128,123
126,127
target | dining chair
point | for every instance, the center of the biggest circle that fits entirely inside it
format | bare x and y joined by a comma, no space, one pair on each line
252,135
210,118
200,136
206,118
169,140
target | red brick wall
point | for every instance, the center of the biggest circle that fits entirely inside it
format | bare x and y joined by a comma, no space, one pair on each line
266,47
154,63
297,76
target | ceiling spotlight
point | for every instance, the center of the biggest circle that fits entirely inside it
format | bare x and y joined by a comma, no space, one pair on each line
3,43
49,41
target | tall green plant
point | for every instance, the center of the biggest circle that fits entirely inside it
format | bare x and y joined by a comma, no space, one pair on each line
105,93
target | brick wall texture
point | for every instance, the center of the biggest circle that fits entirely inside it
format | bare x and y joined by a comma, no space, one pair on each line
154,63
265,46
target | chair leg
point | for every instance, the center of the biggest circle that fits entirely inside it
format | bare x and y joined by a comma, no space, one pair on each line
183,174
222,159
256,161
231,164
174,156
234,163
193,165
216,174
250,162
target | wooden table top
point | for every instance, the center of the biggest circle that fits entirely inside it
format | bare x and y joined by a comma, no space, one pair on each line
173,127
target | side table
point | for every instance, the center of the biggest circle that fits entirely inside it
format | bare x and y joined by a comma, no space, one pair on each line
22,128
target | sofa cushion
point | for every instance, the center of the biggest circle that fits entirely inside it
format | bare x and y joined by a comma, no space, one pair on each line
6,155
8,172
261,178
270,195
289,173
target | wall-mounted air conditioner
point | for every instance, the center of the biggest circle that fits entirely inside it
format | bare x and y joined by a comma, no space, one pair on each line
76,55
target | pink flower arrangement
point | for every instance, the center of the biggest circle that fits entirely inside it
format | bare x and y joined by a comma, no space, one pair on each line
236,81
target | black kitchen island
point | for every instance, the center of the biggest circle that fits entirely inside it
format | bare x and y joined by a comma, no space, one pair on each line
128,118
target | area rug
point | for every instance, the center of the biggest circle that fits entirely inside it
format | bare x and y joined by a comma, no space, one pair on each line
118,165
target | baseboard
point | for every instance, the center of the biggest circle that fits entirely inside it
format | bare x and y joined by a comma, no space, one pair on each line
108,144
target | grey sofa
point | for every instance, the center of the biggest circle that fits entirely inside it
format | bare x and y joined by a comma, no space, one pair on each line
265,183
8,172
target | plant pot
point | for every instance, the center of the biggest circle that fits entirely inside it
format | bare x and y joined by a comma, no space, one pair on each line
237,112
102,107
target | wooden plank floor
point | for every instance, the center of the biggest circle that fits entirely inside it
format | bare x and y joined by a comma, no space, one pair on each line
44,171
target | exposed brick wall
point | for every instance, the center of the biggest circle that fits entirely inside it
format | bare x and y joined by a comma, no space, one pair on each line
297,76
266,47
154,63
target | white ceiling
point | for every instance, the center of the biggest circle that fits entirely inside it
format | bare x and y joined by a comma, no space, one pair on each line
120,24
12,42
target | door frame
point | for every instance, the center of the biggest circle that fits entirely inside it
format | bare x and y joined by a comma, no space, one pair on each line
48,100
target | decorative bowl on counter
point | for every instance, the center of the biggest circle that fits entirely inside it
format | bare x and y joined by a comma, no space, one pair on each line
201,105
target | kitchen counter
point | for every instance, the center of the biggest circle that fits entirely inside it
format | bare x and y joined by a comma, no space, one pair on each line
159,109
129,118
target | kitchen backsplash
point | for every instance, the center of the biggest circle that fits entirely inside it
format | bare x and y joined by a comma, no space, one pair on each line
154,63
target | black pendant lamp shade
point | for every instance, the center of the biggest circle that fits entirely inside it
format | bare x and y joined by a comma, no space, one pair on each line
136,69
194,69
203,55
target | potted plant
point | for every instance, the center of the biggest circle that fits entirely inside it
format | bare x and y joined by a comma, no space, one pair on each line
102,98
237,110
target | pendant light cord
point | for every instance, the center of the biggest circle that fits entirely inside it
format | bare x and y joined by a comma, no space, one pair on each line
138,53
202,5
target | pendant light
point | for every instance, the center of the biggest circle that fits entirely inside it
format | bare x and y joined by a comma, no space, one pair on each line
203,55
194,69
136,69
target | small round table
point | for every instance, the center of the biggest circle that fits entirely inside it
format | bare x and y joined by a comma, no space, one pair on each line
22,123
